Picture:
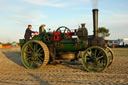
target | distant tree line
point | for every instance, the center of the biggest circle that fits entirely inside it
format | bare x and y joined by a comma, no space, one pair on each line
103,32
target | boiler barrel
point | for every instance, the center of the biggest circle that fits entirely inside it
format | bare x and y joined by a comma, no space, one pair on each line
71,45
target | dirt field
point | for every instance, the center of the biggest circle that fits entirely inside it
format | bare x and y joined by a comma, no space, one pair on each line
12,72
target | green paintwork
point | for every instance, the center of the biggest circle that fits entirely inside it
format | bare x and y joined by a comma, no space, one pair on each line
37,37
71,45
22,42
95,59
32,55
63,45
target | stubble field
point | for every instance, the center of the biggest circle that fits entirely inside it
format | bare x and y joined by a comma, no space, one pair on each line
12,71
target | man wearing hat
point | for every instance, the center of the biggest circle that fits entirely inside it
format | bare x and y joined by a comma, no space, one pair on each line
42,29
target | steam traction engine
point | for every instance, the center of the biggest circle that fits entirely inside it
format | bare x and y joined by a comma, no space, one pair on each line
67,45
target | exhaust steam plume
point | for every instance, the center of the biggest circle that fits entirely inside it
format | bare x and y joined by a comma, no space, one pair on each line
94,3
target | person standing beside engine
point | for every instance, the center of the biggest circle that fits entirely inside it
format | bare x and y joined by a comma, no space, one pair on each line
42,29
28,33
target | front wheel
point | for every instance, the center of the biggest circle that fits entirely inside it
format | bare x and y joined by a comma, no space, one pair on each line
110,56
95,59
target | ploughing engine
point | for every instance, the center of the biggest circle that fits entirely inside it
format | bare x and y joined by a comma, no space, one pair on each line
68,45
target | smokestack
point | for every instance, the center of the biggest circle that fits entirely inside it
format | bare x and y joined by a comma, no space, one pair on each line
95,22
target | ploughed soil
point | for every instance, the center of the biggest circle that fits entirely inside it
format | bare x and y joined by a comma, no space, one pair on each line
12,72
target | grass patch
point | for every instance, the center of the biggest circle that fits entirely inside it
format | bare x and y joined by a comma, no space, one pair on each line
120,51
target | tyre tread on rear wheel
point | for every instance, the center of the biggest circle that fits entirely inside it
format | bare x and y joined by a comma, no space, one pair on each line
34,54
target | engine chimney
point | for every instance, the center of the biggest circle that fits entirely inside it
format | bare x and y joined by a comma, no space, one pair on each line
95,22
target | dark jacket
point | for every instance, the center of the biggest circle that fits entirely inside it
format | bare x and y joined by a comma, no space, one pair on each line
40,30
28,33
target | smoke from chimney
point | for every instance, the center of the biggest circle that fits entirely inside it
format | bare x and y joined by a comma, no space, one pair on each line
94,3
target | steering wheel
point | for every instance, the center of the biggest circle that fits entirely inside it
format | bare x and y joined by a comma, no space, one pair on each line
64,30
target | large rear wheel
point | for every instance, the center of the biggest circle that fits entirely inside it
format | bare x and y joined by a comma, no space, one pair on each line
34,54
95,59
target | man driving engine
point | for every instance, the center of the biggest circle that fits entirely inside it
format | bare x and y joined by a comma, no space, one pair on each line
28,33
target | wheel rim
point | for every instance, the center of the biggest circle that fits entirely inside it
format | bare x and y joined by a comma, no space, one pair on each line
33,55
95,59
110,56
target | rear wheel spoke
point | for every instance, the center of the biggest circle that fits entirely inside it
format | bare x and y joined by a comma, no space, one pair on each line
37,63
28,52
28,58
35,47
30,46
39,49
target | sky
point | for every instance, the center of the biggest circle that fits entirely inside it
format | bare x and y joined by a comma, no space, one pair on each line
15,15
